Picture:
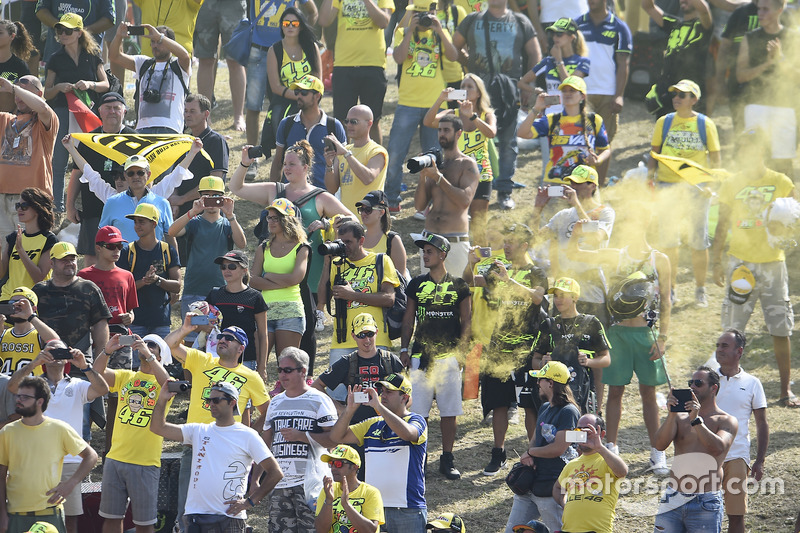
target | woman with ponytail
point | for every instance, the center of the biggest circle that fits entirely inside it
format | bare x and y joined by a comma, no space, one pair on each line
15,50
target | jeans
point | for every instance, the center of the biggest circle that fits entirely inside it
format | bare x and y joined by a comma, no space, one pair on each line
507,151
60,158
406,121
161,331
405,520
256,88
530,507
702,512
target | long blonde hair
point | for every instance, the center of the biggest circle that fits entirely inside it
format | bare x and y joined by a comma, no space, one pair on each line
484,103
293,229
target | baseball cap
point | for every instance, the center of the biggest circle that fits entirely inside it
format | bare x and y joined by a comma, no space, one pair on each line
520,230
342,451
42,527
109,234
136,160
71,20
448,521
236,256
397,382
576,82
284,207
563,24
552,370
686,86
583,174
228,388
145,210
309,82
566,285
111,97
26,293
534,525
364,322
211,183
236,331
374,199
420,6
62,249
437,241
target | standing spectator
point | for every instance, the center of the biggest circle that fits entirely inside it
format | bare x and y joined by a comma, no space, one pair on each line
26,153
610,45
154,265
359,167
112,111
544,13
163,80
311,124
295,418
440,305
26,252
514,46
374,212
15,50
180,16
359,64
76,67
26,337
33,448
96,15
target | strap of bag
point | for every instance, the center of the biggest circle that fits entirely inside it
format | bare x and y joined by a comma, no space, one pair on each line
261,13
486,43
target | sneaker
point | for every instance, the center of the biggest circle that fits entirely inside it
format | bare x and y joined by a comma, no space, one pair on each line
498,461
700,297
613,448
658,462
252,171
394,208
446,466
320,325
505,201
513,415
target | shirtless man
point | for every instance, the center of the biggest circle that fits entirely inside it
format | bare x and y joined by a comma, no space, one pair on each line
449,190
702,437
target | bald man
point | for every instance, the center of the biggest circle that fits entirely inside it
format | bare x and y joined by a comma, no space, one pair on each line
359,167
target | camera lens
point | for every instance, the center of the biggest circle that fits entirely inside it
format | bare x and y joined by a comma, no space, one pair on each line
336,248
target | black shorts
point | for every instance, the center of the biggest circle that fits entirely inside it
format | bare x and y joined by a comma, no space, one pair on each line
353,85
86,236
483,191
497,393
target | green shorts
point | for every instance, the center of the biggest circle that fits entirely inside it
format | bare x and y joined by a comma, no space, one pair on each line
631,353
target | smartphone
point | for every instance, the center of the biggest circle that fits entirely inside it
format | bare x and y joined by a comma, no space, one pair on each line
178,386
577,435
591,226
7,309
484,252
255,151
135,30
360,397
126,340
555,191
457,94
329,144
60,353
213,201
200,320
552,99
683,396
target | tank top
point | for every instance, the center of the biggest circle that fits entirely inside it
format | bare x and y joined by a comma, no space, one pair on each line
379,248
290,71
476,145
281,265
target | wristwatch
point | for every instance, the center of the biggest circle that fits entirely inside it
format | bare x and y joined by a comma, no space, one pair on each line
348,154
85,370
474,117
158,281
33,315
697,421
403,350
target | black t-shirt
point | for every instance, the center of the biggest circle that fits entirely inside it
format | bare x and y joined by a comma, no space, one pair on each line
67,71
217,148
240,309
438,314
154,305
686,51
550,421
742,20
13,69
771,88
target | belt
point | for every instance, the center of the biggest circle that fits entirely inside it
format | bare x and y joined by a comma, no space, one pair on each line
451,237
47,511
260,47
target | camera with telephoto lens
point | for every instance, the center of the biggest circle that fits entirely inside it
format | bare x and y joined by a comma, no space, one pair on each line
335,248
428,159
151,96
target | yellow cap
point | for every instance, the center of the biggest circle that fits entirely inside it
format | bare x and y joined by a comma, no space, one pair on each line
148,211
686,86
364,322
25,292
62,249
211,183
554,370
583,174
576,82
309,82
136,160
566,285
342,451
71,20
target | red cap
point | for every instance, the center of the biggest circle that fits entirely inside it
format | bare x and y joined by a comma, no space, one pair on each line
109,234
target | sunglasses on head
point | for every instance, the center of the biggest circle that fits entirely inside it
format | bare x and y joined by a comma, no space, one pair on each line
229,266
365,334
682,95
227,337
339,463
132,173
65,31
352,121
22,205
696,382
289,369
218,399
287,23
110,246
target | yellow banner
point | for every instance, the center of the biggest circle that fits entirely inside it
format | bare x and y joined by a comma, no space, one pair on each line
161,151
691,171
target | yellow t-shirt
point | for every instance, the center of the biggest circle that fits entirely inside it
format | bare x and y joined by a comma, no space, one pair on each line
362,277
206,369
366,499
476,145
34,456
452,71
683,140
180,15
748,198
591,494
359,42
353,189
421,80
18,275
472,6
17,351
132,441
291,71
482,313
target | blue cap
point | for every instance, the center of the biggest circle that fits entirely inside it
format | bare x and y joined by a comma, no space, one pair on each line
237,332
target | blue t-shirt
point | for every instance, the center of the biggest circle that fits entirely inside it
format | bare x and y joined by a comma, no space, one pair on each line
267,32
550,421
291,129
124,203
610,37
154,305
209,241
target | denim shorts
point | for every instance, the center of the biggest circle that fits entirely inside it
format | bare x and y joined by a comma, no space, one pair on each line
679,513
256,80
297,324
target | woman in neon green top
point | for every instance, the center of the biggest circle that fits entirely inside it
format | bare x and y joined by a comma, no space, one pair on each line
280,266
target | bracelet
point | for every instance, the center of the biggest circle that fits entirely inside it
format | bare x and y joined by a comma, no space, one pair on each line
250,500
283,94
474,117
232,217
106,353
86,370
403,350
245,166
162,38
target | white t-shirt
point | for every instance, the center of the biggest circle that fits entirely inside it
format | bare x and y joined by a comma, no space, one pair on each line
168,113
66,404
221,461
552,10
590,276
307,412
739,395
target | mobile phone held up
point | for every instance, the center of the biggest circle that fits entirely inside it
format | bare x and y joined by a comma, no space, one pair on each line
135,30
255,151
683,396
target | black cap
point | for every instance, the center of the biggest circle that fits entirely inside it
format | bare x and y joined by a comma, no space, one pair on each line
520,230
374,199
111,97
437,241
235,256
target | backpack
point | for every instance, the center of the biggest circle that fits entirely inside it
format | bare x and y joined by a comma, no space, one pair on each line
352,372
502,89
174,66
393,316
582,384
389,238
701,128
164,253
260,231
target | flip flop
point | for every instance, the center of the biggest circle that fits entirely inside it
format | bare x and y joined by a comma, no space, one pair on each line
790,401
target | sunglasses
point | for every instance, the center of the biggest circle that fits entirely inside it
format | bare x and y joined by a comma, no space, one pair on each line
365,209
229,266
151,345
696,382
66,31
293,23
226,337
681,94
288,369
351,121
22,205
273,218
24,81
218,399
365,334
132,173
110,246
303,92
339,463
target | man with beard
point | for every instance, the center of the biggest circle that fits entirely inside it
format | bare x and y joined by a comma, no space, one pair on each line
587,488
449,190
32,452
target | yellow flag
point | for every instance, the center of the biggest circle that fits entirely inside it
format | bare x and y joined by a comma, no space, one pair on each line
161,151
690,171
